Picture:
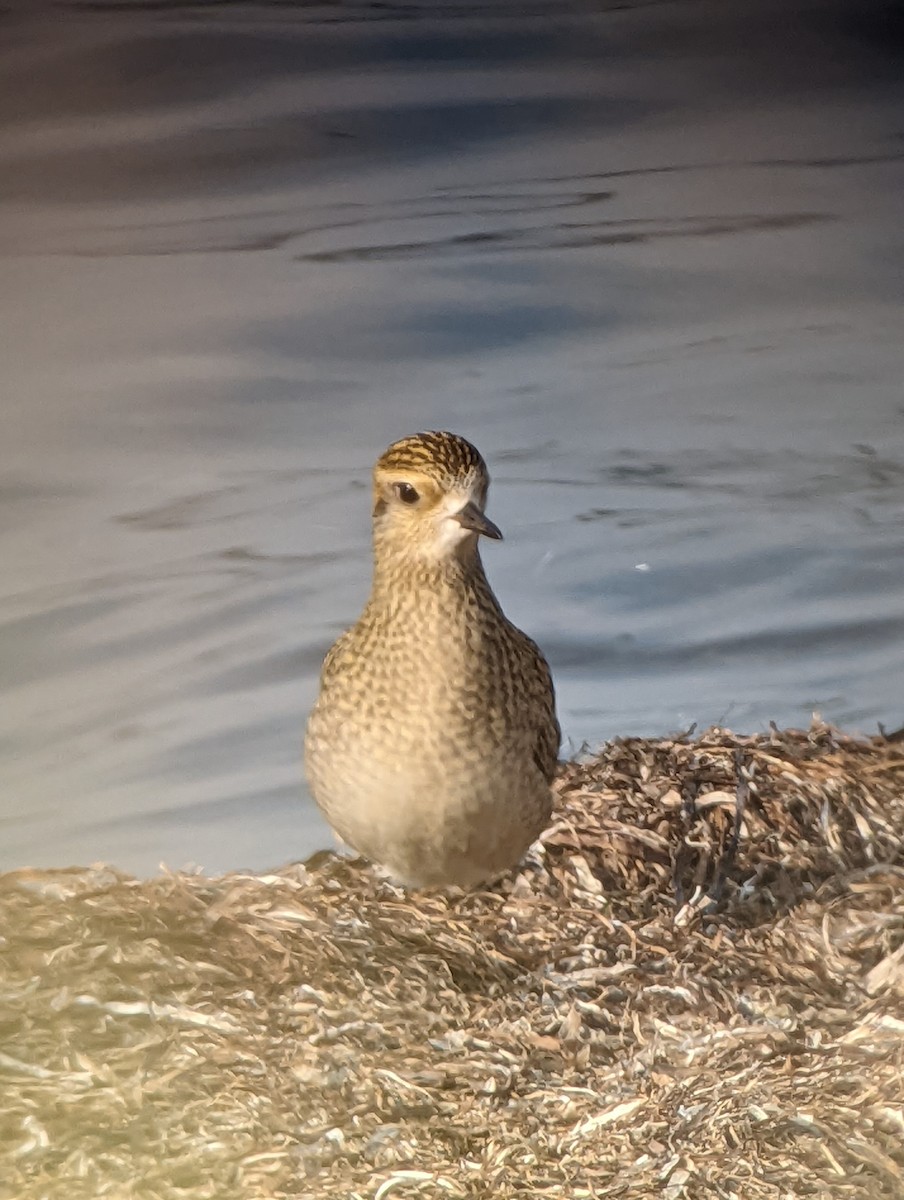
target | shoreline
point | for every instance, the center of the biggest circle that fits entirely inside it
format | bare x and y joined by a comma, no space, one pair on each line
694,982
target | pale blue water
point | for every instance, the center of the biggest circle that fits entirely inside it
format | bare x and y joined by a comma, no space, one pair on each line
649,259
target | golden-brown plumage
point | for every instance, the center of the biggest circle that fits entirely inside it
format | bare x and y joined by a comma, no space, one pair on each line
434,739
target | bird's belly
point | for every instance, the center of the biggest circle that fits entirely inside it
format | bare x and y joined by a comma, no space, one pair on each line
432,810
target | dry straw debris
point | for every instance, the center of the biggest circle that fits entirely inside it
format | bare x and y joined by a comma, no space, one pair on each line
693,988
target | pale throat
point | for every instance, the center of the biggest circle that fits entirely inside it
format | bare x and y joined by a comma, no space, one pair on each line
445,557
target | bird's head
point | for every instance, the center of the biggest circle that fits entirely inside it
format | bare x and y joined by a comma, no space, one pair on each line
430,491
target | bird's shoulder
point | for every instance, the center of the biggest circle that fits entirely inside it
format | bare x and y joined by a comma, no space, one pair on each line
530,657
340,657
351,656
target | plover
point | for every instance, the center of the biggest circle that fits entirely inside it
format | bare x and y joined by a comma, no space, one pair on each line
433,741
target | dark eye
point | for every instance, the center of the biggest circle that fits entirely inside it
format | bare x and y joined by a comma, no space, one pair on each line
406,493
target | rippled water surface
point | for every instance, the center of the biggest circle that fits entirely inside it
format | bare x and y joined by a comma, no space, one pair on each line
649,258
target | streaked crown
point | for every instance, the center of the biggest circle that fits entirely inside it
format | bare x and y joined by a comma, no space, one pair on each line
442,456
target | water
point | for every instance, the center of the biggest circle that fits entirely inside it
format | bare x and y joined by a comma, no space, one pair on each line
649,259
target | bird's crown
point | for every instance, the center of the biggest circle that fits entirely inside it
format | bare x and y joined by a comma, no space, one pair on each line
440,455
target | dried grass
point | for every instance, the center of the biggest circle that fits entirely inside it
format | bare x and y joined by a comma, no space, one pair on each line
693,988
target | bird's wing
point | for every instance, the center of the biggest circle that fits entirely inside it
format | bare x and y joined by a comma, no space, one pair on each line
542,692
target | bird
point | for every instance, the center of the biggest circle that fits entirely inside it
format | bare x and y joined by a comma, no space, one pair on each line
433,741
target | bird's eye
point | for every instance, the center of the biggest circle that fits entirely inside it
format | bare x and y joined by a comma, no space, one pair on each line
406,493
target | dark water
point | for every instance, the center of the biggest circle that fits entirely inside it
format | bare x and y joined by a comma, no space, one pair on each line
650,258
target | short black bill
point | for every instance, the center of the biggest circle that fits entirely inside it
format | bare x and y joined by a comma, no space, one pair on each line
470,517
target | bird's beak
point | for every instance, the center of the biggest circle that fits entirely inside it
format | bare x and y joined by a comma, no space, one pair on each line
470,517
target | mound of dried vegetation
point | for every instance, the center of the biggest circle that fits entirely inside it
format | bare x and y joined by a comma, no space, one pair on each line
694,988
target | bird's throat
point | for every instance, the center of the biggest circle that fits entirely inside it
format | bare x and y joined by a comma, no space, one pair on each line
403,582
